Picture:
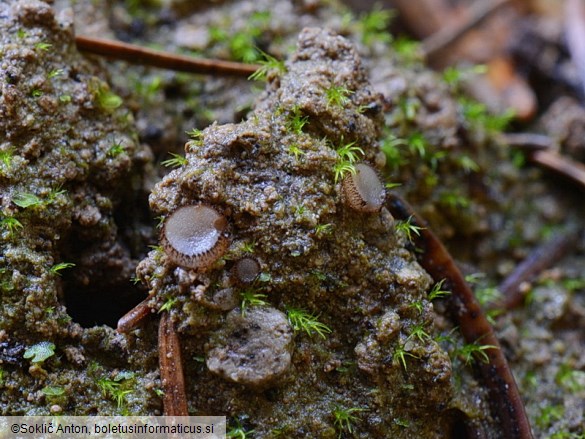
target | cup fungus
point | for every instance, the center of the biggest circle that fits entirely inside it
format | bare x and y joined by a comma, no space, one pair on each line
246,270
363,189
194,236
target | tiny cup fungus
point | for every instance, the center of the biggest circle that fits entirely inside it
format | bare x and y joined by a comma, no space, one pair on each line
194,236
246,270
363,189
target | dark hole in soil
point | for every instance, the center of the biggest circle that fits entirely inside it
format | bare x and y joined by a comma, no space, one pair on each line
98,290
460,429
102,307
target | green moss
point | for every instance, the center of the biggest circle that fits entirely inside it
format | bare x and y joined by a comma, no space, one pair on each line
471,352
57,268
116,149
43,46
345,418
168,304
437,291
7,155
267,64
407,228
251,297
400,355
477,116
296,120
175,162
296,151
348,154
238,431
337,96
301,320
11,224
572,380
374,26
549,414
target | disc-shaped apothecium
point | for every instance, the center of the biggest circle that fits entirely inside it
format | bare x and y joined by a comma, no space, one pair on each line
246,270
194,236
363,189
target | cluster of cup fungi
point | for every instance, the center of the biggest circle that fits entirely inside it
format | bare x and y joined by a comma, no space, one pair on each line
195,236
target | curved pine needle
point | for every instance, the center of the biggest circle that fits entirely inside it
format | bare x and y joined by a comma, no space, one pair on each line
537,261
156,58
448,35
528,142
508,406
563,166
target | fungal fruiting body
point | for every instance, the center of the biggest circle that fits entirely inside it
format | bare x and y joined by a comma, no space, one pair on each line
363,189
194,236
246,270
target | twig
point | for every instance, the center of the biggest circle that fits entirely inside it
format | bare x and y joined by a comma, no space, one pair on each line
171,368
527,141
540,150
508,407
563,166
575,32
450,34
538,260
155,58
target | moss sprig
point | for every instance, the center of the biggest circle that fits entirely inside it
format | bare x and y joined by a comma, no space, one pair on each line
267,64
345,418
301,320
348,154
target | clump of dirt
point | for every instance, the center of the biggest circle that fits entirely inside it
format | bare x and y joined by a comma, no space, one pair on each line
276,177
70,172
72,177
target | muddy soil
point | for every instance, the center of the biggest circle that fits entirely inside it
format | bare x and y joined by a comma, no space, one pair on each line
82,144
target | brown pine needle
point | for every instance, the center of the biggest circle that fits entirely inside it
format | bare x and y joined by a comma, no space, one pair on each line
543,257
563,166
156,58
171,368
528,142
445,37
506,402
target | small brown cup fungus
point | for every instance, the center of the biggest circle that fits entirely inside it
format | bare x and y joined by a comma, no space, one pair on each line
194,236
246,270
363,191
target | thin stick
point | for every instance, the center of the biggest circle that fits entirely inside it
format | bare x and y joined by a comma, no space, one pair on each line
171,368
563,166
538,260
527,141
155,58
508,406
450,34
